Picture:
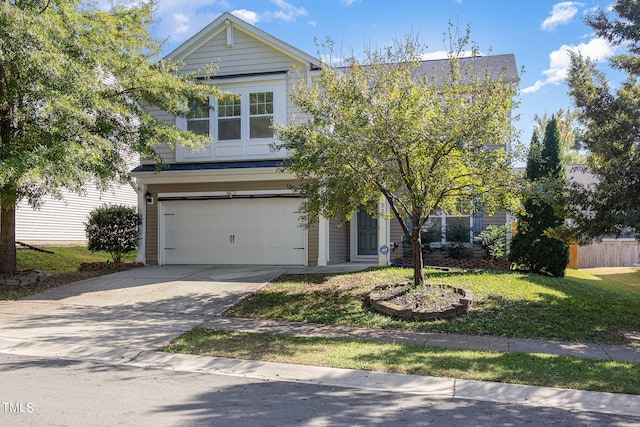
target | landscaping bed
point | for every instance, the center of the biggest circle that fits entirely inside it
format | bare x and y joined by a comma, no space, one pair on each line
427,302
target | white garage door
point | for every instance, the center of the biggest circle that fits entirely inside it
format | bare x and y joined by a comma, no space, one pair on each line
236,231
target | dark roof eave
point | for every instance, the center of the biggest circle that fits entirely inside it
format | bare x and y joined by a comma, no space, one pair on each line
182,167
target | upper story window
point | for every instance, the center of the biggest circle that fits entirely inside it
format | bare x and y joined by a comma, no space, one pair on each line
230,118
198,118
248,115
241,125
260,115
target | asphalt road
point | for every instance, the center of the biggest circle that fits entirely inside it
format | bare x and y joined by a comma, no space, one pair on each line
49,392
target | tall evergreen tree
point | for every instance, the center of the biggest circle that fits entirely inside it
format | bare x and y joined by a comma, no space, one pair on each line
533,163
569,134
532,248
611,118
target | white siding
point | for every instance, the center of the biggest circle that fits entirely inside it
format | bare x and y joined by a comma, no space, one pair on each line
63,220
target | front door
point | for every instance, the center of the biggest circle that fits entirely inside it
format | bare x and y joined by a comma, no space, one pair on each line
367,232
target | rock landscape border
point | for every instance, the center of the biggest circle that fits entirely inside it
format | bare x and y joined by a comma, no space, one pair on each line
379,302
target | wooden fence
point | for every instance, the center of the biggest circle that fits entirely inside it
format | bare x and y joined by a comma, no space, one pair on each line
609,253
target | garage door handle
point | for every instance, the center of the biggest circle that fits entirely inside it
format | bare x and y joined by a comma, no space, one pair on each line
232,239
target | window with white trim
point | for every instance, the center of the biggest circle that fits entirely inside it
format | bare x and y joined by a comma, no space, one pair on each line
198,118
241,125
230,118
260,115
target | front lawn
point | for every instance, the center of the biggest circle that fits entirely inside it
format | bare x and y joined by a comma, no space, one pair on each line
62,267
580,307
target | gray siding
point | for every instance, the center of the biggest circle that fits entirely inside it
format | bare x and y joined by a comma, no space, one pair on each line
338,242
246,55
164,150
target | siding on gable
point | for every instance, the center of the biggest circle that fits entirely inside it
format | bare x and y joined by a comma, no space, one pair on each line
247,55
62,221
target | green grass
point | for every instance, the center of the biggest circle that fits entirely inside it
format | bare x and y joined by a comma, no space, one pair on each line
62,267
532,369
64,260
620,279
578,307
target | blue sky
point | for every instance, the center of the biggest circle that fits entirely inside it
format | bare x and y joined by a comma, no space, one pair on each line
538,32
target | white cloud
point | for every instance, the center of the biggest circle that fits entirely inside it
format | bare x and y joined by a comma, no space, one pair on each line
562,13
313,23
182,23
246,15
597,49
287,12
350,2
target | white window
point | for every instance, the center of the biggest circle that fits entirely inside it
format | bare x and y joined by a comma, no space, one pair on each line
260,115
241,125
230,118
248,115
198,118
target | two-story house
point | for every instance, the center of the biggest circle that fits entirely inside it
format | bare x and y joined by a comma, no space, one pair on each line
228,203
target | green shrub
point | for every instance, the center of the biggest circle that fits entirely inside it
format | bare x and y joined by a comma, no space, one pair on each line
493,240
113,229
458,237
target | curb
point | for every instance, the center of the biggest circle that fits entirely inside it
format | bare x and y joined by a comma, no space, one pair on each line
587,401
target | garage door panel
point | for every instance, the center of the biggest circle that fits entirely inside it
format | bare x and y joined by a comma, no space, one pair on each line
240,231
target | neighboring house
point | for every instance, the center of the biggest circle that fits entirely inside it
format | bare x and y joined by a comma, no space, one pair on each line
62,221
228,204
611,251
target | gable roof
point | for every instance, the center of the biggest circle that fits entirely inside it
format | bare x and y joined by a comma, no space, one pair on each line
226,19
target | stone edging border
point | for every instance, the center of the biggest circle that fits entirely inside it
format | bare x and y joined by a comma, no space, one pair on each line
25,278
111,266
381,305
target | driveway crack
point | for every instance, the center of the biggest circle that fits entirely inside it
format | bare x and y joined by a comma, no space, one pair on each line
135,357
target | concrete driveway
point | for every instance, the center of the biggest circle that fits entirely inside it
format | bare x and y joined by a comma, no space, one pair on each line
136,309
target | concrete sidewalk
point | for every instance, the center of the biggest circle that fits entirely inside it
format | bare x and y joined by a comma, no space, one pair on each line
471,342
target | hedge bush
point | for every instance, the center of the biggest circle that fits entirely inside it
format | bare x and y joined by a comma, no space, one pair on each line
113,229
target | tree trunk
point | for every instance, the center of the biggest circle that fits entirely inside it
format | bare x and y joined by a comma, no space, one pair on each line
8,239
416,243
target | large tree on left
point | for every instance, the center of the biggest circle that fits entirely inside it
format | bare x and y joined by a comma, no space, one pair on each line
73,83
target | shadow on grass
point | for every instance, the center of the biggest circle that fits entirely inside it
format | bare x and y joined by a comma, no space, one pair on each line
506,304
